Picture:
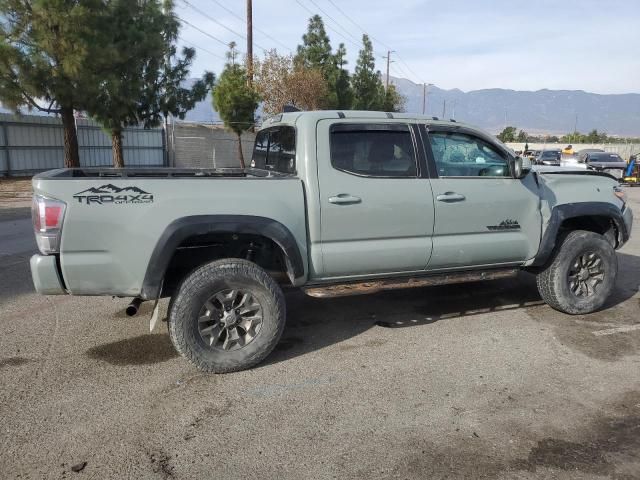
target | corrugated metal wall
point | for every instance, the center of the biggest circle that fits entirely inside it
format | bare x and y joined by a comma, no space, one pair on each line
31,144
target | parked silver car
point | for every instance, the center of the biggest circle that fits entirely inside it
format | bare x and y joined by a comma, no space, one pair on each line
607,162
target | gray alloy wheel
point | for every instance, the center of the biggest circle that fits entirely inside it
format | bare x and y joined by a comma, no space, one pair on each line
586,273
580,275
230,319
227,315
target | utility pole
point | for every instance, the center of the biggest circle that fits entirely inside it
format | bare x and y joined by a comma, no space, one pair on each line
249,42
388,57
425,86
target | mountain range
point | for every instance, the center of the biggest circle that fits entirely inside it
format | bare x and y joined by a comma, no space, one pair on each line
554,112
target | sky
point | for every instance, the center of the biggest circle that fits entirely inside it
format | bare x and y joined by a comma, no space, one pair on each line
589,45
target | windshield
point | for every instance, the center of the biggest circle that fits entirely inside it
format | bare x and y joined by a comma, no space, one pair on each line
605,157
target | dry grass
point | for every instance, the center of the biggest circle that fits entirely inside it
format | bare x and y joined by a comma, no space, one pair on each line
15,192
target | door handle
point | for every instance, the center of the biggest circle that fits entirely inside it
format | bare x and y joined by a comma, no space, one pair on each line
344,199
450,197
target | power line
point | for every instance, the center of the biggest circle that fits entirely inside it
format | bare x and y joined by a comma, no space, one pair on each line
254,27
409,68
360,27
328,26
335,21
209,17
203,32
201,48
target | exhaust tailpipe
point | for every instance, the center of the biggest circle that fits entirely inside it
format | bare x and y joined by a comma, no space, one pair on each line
132,308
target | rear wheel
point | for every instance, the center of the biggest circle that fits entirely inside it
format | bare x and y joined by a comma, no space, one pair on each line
227,315
581,275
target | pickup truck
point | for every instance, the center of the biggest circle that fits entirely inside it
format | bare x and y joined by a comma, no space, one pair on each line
334,203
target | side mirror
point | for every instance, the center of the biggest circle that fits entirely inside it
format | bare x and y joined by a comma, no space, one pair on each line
521,167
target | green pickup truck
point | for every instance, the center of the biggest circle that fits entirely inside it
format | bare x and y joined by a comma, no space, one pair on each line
335,203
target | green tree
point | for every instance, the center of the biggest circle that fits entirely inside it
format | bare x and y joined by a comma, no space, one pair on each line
394,101
341,83
575,137
596,137
45,46
368,91
235,101
522,136
142,76
507,135
315,51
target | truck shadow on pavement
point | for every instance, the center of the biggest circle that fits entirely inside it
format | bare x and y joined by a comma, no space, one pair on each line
142,350
314,323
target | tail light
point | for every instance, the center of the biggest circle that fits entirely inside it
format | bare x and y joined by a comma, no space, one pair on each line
47,215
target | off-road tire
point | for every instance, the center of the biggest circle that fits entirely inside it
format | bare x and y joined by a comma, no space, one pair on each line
553,282
191,296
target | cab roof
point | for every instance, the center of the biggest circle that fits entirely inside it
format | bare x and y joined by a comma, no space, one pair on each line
292,118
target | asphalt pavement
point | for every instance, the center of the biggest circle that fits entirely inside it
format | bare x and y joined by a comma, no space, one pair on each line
478,380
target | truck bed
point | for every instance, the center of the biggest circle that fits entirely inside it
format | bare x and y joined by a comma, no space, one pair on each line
115,217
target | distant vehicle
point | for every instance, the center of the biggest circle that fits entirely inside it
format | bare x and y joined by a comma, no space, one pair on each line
611,163
581,155
548,157
568,150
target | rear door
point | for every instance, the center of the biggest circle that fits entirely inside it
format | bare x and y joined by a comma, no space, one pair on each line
483,216
376,207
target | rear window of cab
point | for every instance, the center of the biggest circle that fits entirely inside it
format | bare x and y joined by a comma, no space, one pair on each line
275,149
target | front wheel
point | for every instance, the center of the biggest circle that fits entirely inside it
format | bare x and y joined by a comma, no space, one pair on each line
581,275
227,315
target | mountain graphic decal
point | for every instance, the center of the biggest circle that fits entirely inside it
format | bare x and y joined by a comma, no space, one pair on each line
111,189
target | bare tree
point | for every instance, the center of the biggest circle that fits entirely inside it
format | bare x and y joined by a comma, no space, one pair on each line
281,81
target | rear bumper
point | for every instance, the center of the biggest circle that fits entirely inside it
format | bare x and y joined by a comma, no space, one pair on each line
45,275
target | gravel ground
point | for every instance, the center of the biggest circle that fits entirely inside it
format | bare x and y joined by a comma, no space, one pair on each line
467,381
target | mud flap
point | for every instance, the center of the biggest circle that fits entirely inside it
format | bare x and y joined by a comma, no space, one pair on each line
154,317
156,307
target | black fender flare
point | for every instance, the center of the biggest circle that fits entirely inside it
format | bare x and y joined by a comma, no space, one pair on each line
185,227
560,213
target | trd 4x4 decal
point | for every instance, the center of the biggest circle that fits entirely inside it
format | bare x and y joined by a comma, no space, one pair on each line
112,194
505,225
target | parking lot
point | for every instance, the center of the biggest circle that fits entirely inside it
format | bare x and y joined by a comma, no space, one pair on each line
477,380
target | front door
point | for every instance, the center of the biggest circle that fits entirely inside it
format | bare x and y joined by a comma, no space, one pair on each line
376,211
483,216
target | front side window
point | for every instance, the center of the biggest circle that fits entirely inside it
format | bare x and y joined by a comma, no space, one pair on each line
461,155
275,150
373,150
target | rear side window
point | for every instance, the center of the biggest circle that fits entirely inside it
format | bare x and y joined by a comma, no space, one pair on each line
275,150
384,150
